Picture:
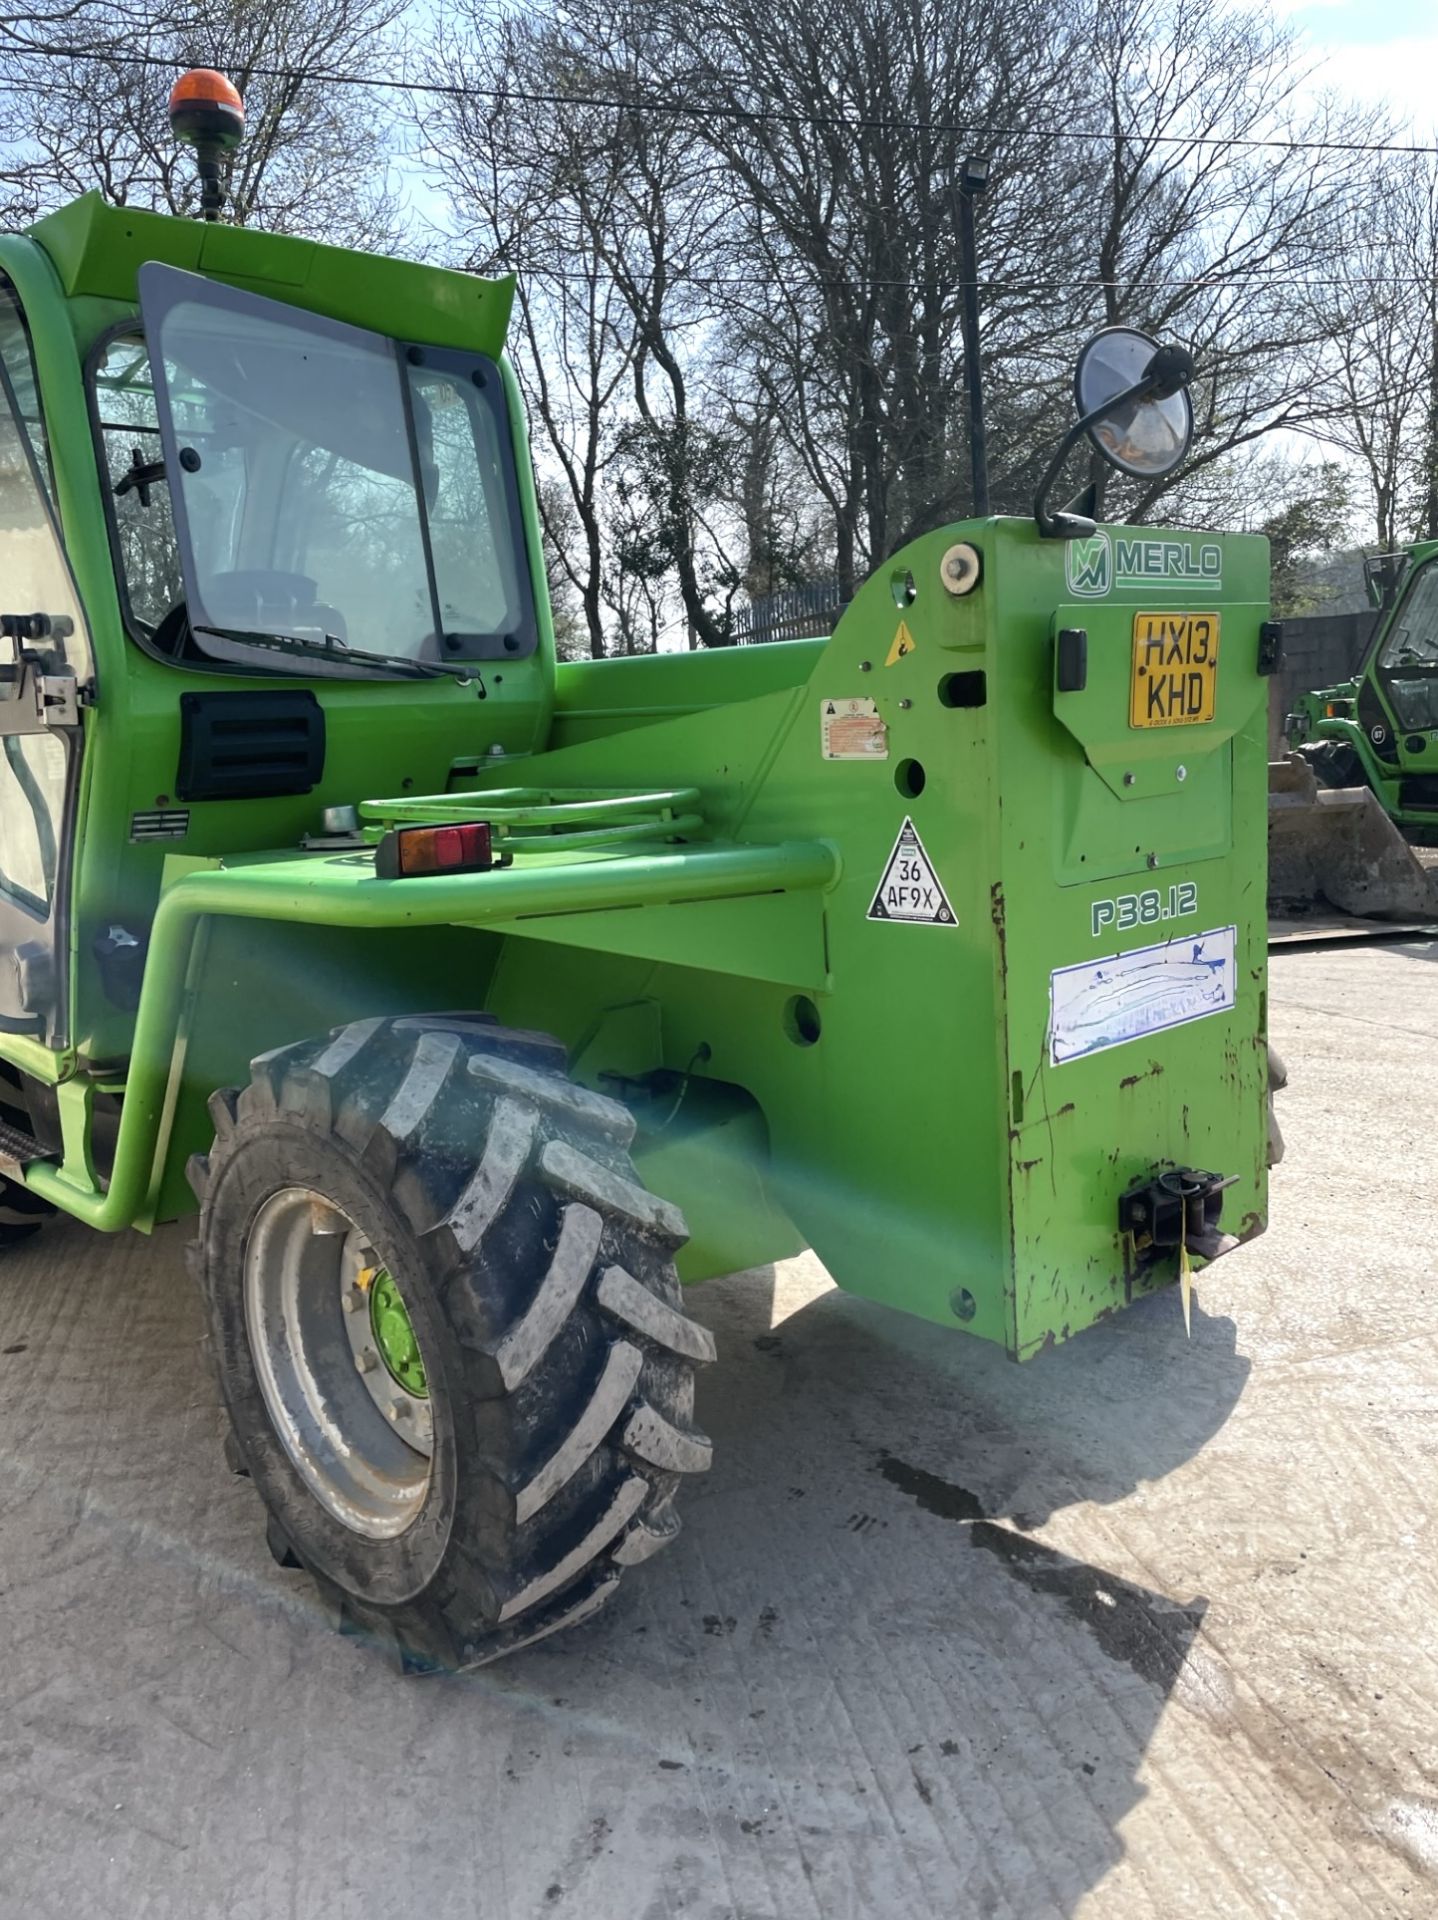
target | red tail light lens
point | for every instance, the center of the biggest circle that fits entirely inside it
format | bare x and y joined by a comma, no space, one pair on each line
407,852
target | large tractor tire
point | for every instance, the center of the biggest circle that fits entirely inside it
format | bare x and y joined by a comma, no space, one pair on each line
446,1323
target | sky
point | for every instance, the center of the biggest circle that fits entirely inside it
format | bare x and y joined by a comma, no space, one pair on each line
1383,51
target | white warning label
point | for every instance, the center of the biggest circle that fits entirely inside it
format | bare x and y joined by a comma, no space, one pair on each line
1102,1003
910,888
852,730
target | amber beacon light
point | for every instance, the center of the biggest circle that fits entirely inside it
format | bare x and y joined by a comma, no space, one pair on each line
207,113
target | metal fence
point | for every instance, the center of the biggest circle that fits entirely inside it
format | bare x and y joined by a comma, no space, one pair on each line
798,613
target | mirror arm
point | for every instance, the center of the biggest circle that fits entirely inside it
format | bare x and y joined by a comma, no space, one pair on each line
1076,526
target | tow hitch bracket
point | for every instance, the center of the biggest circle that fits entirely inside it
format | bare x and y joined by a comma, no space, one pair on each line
1179,1204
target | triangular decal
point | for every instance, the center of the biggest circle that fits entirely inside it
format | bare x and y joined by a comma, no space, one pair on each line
910,889
903,645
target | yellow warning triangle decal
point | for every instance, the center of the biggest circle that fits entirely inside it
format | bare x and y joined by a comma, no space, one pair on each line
903,643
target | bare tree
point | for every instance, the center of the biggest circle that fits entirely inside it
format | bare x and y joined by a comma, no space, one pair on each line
558,527
92,96
737,229
526,195
1218,192
784,538
1379,312
609,222
845,130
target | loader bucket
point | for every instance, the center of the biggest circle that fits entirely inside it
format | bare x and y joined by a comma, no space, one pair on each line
1336,847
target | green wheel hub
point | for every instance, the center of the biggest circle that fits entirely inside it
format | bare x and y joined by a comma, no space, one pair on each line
394,1336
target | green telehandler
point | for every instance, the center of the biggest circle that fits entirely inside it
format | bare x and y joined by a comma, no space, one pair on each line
469,1003
1379,729
1360,781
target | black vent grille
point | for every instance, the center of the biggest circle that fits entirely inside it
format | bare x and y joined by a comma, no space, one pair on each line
249,746
1419,791
160,823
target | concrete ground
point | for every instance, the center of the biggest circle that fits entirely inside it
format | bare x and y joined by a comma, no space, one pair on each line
1147,1627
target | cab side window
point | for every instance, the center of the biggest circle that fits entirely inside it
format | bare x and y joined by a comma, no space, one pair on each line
34,579
139,491
24,389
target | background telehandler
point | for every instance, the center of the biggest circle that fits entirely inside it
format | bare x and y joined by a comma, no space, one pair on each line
1361,777
1379,729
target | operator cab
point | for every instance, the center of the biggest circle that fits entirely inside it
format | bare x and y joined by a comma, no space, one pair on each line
292,494
1407,660
305,513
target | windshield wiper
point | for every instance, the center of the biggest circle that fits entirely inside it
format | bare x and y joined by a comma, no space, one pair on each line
332,648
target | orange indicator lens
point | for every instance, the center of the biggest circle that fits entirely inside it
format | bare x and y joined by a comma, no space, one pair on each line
407,852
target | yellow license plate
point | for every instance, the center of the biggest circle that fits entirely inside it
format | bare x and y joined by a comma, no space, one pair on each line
1175,669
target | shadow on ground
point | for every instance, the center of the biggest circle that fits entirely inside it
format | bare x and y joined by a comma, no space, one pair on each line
857,1685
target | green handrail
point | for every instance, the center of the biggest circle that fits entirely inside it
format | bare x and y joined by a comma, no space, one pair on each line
330,893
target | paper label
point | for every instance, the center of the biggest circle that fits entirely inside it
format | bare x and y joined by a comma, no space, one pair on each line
852,730
1103,1003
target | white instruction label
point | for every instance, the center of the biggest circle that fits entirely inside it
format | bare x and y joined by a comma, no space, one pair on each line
910,888
1102,1003
852,730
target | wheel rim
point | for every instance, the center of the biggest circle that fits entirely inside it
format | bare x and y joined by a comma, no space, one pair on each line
338,1363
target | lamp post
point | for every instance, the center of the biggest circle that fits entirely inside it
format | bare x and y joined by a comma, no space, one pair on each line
973,179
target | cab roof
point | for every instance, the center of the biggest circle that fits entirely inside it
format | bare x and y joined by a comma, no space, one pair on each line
98,249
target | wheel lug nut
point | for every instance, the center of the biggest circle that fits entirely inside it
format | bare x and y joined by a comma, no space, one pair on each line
365,1362
353,1299
398,1410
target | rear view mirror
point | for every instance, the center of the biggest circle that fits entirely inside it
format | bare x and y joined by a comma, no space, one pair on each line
1144,433
1133,403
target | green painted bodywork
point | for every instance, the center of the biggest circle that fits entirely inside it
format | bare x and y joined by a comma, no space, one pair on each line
801,1073
1414,753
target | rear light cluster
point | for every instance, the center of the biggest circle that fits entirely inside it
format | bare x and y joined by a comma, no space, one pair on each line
1338,709
463,847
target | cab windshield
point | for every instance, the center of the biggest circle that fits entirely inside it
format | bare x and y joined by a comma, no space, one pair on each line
285,484
1408,658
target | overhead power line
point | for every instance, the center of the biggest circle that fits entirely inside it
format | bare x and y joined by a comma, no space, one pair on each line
1280,282
660,107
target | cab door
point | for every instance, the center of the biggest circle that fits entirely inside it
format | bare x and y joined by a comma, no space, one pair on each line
45,676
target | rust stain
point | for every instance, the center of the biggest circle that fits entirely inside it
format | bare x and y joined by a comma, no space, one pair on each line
1027,1166
1067,1107
1153,1071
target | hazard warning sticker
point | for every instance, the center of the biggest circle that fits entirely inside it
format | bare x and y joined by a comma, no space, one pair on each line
852,730
903,645
910,888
